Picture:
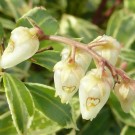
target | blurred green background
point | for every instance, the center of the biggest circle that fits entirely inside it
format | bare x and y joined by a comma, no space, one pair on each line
84,19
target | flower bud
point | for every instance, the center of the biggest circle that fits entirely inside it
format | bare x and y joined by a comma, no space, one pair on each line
110,50
22,45
82,58
125,93
94,92
67,78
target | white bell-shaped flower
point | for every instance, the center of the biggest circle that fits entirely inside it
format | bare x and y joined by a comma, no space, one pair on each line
110,50
67,78
94,92
82,58
125,93
22,45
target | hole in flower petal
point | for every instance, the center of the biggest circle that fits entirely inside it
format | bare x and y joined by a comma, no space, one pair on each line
92,102
68,89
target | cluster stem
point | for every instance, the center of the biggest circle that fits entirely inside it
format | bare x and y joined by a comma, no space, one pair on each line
86,47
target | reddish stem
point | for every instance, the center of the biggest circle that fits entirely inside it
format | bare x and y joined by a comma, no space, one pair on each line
114,71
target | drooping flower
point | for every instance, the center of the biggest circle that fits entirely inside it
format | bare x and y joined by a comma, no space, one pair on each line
94,92
22,45
125,93
110,50
67,78
82,58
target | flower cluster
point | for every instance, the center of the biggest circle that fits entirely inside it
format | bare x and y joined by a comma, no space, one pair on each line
70,74
22,45
67,74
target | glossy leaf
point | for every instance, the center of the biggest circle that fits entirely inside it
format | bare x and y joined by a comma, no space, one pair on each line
119,113
128,55
42,18
101,124
8,24
14,8
4,9
130,5
6,125
18,8
20,70
78,28
20,103
57,46
127,130
1,32
1,37
50,106
42,125
120,25
132,111
1,88
46,59
113,23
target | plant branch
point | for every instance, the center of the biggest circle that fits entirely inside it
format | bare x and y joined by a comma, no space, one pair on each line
72,43
114,71
95,44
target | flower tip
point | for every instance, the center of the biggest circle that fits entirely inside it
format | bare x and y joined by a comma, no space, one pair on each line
85,116
126,108
88,116
64,99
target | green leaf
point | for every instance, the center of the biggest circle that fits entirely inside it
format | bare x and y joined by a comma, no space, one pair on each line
76,107
14,8
1,32
129,4
120,25
4,9
42,18
20,103
128,55
57,46
6,125
127,130
78,28
42,125
119,113
46,59
17,8
21,70
100,125
132,111
114,23
49,105
1,37
1,88
6,23
42,76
